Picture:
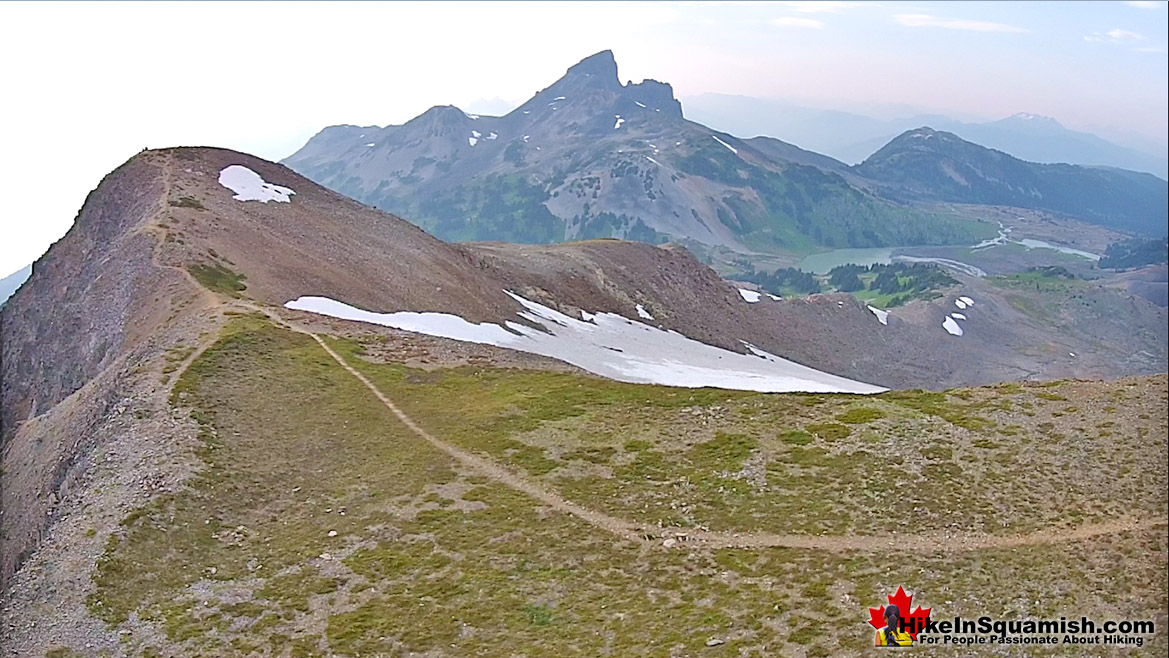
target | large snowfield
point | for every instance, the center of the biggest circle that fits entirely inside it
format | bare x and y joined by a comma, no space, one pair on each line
610,345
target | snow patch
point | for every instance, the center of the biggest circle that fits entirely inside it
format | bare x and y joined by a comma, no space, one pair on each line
639,103
749,296
472,141
951,326
250,186
611,346
558,98
882,315
653,161
960,304
775,297
371,144
526,138
642,313
472,117
476,134
492,135
619,122
733,149
966,300
958,316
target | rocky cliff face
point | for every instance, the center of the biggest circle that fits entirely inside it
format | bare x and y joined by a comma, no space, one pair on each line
72,337
76,314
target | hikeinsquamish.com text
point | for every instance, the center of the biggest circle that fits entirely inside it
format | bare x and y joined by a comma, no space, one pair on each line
986,630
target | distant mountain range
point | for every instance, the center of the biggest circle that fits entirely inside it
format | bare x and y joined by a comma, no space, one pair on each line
588,157
10,283
853,137
939,166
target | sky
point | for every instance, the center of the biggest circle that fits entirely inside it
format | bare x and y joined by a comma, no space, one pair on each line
86,86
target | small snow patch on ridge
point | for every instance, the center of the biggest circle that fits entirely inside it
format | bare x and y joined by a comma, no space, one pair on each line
492,135
951,326
882,315
653,161
643,314
958,316
733,149
966,300
619,122
250,186
749,296
639,103
472,140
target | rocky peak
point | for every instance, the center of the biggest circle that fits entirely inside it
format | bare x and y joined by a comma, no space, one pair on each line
439,120
600,69
595,78
655,95
1031,122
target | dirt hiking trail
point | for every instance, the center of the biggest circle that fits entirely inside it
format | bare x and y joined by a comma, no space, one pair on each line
678,537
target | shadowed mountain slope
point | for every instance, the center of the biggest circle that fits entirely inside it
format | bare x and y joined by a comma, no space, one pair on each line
934,165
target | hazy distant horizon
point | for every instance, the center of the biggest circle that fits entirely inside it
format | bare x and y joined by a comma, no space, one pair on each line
884,112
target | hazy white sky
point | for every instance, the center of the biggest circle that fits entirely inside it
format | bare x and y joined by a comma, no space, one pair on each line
87,85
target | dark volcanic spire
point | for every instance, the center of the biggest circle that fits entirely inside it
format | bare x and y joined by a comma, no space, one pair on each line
600,70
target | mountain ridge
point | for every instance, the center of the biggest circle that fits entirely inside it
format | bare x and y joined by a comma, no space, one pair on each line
936,165
588,157
852,137
11,283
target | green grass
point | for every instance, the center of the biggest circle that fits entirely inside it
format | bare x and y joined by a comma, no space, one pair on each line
860,416
1042,281
218,278
431,559
702,457
187,202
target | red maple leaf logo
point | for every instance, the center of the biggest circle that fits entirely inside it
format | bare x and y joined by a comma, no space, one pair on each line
912,623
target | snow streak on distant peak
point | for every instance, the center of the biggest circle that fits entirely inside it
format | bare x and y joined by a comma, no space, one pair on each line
733,149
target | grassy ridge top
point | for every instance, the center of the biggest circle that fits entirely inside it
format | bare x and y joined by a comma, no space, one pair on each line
815,464
427,557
